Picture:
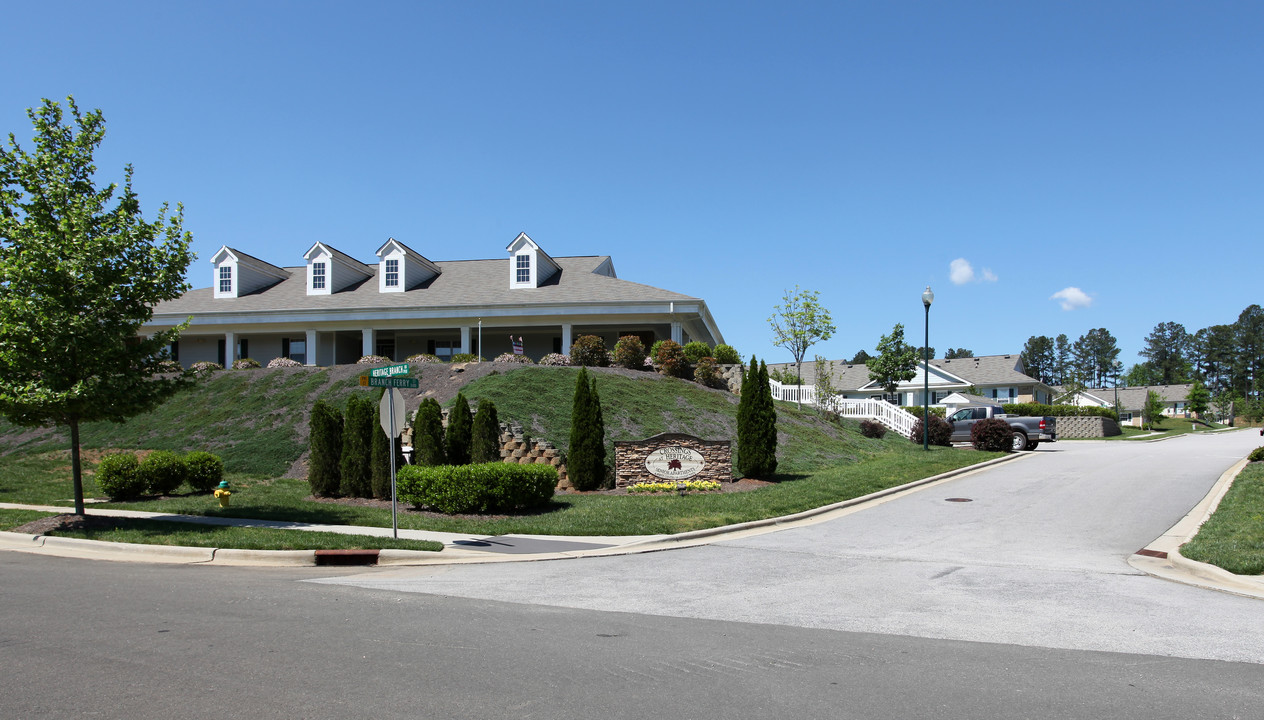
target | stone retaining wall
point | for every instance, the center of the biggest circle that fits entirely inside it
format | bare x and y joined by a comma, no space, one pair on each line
630,456
1083,426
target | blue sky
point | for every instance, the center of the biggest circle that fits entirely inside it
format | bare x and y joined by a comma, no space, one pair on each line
1045,167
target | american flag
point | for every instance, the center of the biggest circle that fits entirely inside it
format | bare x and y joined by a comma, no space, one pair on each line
517,344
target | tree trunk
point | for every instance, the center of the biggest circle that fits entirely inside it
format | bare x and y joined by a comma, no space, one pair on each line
76,468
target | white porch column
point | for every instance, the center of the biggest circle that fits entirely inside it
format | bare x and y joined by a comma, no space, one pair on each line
465,339
566,338
368,345
230,348
677,333
311,348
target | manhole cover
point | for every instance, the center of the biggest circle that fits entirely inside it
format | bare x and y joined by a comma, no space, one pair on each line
959,500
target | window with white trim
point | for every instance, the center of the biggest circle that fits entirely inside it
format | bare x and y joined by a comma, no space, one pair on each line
225,278
524,269
392,273
318,276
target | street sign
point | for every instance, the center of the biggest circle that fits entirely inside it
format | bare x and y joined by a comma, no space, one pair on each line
392,408
389,371
390,382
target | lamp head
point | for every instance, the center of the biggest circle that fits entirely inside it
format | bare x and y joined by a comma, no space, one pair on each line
928,297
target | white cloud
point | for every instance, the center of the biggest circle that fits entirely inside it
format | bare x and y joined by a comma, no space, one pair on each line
1072,298
960,271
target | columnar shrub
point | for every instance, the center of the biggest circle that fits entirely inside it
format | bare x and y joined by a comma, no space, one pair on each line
670,359
873,429
586,459
482,488
380,463
485,434
993,435
246,364
707,372
695,351
324,474
204,470
557,359
629,352
940,431
118,476
726,355
756,425
460,428
357,444
428,448
589,351
279,362
163,471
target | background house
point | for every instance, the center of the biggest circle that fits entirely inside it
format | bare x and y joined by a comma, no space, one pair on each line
334,309
1131,400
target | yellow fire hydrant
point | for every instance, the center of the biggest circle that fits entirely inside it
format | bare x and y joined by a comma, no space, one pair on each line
222,493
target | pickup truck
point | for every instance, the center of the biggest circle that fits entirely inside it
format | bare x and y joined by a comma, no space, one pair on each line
1028,431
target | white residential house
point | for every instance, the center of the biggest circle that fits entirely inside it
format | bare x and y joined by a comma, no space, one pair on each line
1131,400
334,309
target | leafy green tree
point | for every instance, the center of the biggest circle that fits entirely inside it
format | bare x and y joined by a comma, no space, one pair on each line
1152,411
586,458
1141,375
924,352
80,272
825,390
460,429
1198,399
860,358
1039,359
428,447
896,361
799,323
357,445
485,436
325,450
957,354
1167,350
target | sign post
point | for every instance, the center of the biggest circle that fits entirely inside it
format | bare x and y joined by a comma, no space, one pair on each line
392,418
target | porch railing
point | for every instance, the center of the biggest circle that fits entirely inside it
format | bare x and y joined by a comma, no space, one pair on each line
892,416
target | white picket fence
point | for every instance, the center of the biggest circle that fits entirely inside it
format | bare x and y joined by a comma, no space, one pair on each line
894,417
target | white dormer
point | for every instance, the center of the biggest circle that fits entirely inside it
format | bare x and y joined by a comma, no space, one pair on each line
329,271
401,268
237,273
529,266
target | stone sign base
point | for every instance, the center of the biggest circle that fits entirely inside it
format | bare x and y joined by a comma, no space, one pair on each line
630,458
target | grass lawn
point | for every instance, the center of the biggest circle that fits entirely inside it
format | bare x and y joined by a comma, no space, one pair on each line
1233,537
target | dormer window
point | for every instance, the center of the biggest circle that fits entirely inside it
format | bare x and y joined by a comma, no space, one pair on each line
392,273
523,274
225,279
318,276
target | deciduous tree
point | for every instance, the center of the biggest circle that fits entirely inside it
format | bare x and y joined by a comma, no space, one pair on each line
80,271
896,361
799,323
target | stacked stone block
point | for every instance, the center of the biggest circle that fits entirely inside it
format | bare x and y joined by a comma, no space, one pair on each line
516,447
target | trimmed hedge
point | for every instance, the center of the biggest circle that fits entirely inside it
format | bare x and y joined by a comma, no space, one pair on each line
484,488
1040,410
119,477
917,410
1256,455
204,470
163,471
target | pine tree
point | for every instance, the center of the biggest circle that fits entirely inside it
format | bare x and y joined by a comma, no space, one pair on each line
485,435
325,449
357,443
460,426
428,447
586,460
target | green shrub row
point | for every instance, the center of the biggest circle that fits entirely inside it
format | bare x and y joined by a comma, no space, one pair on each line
1041,410
122,476
917,410
483,488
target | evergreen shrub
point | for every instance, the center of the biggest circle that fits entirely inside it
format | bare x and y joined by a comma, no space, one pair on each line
485,434
460,428
373,360
1256,455
466,358
203,470
670,359
695,351
163,471
428,447
707,372
589,351
940,431
280,362
1042,410
556,359
205,367
726,355
246,364
118,476
495,487
917,410
357,446
992,435
422,358
586,459
324,473
512,358
629,352
873,429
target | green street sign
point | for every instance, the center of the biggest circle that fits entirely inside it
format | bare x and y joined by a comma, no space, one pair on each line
393,382
389,371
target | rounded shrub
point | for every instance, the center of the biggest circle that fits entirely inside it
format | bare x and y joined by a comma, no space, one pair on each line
670,359
556,359
163,471
246,364
494,487
726,355
373,360
284,362
118,476
205,367
1257,455
695,351
707,372
589,351
629,353
203,470
992,435
512,358
940,431
873,429
421,358
467,357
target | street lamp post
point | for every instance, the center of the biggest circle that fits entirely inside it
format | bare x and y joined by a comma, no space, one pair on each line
928,297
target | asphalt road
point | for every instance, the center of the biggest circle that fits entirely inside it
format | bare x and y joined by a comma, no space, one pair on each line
1018,604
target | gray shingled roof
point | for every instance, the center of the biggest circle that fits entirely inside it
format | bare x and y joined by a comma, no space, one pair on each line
1132,399
986,370
462,283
